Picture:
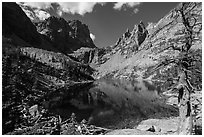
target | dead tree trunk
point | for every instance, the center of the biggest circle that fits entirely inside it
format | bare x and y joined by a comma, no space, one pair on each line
184,104
183,63
185,89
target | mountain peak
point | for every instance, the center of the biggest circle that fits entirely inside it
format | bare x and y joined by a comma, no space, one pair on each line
67,36
133,39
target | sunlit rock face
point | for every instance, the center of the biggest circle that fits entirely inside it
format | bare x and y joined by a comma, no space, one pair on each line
126,45
138,51
130,41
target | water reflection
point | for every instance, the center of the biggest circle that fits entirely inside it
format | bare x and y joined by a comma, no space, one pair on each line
109,102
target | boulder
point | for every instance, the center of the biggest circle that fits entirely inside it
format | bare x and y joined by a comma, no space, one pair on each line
34,111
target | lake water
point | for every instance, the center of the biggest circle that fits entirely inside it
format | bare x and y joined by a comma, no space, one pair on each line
115,103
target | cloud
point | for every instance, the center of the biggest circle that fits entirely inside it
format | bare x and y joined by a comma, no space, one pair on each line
39,5
81,8
125,5
34,12
93,37
66,7
76,7
119,5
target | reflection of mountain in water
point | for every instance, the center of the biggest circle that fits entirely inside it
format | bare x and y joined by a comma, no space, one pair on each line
109,102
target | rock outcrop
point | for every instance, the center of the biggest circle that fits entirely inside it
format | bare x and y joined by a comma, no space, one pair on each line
141,33
131,41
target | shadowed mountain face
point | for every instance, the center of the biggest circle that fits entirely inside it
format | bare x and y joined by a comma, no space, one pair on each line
65,36
53,34
15,21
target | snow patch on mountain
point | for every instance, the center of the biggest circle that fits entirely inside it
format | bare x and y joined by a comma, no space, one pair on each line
34,14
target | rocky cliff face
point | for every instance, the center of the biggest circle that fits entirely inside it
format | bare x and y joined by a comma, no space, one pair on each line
131,41
65,36
126,45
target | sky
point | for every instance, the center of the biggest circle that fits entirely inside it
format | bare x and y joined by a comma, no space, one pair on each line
107,21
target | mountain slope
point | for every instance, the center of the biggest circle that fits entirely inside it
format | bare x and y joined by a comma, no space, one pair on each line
137,52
